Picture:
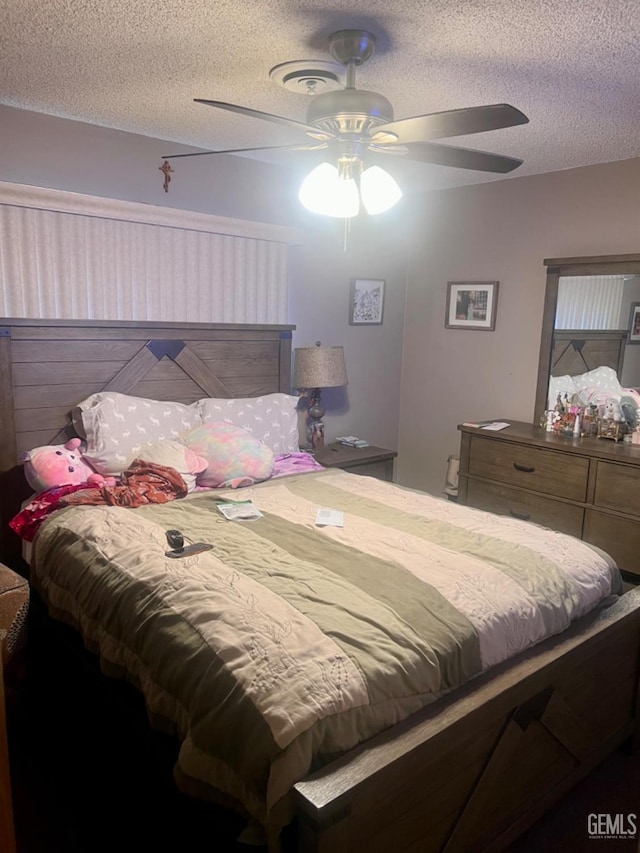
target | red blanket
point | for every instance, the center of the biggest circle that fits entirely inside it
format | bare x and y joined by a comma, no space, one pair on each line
142,483
28,520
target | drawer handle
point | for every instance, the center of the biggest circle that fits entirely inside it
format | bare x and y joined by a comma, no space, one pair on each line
523,516
528,469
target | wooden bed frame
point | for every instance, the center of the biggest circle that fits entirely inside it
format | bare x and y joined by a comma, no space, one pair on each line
469,773
48,366
578,351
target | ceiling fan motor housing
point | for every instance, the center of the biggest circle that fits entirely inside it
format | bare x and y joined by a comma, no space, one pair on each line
349,111
351,122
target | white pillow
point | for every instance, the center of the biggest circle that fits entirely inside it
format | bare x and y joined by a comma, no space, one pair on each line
174,454
117,427
604,378
272,419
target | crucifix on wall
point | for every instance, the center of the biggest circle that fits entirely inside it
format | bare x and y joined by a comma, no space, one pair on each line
167,170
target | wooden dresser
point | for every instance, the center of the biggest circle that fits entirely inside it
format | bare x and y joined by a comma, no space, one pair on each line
587,487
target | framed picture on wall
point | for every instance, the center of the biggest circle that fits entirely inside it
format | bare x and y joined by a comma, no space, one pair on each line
471,305
634,324
366,302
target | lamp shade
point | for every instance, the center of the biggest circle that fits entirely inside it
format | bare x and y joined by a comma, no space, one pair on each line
379,190
334,191
319,367
327,192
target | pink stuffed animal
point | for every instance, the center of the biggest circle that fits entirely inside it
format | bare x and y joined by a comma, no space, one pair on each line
60,465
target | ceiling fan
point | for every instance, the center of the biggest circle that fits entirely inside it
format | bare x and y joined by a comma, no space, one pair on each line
357,128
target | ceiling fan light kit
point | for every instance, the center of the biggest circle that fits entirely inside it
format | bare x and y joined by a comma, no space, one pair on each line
357,127
327,192
334,191
379,191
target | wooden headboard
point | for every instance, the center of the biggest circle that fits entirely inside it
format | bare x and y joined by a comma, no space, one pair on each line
576,351
48,366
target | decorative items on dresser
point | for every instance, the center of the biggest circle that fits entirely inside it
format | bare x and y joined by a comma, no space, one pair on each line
582,486
372,461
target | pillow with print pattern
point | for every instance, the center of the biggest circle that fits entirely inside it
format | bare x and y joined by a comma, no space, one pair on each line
117,427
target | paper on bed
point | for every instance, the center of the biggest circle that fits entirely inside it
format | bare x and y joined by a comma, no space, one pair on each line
239,510
329,517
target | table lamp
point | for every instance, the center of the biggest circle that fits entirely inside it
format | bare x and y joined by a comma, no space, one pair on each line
315,368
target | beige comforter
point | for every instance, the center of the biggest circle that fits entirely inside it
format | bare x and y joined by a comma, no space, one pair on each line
287,642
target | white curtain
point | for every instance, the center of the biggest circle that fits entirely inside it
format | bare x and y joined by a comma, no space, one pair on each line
66,256
589,302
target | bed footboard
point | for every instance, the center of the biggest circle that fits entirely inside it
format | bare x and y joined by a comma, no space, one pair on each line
478,770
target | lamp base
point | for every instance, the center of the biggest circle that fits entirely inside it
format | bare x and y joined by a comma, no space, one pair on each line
315,425
317,435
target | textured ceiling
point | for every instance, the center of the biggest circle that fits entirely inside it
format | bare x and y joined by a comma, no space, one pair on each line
570,65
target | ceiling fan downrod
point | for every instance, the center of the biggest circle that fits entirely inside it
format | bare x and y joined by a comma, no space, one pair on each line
350,111
352,48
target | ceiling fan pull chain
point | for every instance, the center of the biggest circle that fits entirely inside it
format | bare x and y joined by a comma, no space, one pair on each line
347,229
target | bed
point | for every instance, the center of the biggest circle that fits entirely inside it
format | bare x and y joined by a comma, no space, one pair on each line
464,742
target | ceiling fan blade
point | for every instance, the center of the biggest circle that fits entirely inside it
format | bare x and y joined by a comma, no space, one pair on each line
287,122
460,158
242,150
453,123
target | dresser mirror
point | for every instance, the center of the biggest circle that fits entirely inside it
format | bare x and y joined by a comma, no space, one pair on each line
578,349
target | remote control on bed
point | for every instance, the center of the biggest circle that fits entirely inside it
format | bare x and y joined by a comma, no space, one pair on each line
189,550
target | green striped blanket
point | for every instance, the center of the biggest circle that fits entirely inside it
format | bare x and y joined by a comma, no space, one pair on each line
287,642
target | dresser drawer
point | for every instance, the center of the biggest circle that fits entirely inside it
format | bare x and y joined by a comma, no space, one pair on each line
561,475
619,537
618,487
529,507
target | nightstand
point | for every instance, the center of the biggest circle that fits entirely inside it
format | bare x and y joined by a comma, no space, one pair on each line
372,461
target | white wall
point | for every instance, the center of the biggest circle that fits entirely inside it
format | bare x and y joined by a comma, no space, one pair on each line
369,405
497,231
